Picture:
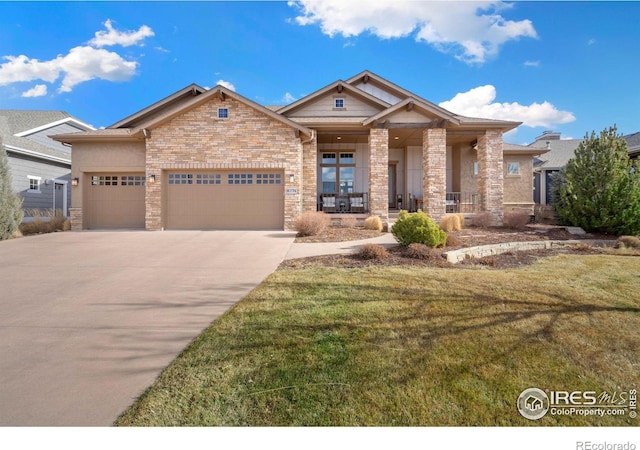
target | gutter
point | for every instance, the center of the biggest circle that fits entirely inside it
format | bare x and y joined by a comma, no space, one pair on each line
36,154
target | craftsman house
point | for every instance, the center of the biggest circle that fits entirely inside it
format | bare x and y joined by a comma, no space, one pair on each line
213,159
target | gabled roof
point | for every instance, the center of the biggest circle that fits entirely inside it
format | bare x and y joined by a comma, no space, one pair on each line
411,102
560,151
135,126
404,98
174,99
338,85
21,132
221,92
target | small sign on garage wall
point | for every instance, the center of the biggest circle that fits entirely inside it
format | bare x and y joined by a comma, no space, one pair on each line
292,191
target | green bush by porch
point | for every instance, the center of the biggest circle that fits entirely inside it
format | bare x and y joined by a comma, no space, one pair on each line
418,228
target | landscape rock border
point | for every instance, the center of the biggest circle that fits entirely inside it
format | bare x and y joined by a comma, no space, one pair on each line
456,256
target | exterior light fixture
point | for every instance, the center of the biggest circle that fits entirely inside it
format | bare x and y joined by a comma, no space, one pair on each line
75,181
152,178
292,178
338,137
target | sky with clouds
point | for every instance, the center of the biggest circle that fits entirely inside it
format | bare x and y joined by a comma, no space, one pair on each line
564,66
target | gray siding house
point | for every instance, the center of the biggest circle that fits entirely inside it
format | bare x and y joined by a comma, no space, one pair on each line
40,167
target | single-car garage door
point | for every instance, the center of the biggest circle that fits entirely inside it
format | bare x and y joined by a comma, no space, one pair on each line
115,200
224,200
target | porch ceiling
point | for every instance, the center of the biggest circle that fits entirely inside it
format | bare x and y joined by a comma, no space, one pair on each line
398,137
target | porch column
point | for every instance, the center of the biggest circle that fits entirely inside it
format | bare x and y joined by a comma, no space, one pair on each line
434,172
490,174
310,175
379,174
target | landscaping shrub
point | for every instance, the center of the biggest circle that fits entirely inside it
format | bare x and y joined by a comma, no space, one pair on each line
482,220
311,223
47,221
451,222
628,242
372,251
418,228
452,241
10,203
373,223
516,220
421,251
348,222
599,189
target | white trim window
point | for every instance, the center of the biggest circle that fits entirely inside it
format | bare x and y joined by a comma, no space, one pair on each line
223,113
513,169
339,103
34,184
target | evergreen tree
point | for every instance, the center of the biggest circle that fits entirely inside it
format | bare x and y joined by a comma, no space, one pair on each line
10,203
599,189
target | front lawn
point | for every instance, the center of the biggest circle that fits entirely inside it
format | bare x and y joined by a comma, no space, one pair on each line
408,346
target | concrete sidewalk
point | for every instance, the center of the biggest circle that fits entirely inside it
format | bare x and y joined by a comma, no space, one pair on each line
304,250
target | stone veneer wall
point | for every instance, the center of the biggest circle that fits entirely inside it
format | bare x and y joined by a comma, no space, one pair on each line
310,175
379,174
490,174
434,171
248,139
75,217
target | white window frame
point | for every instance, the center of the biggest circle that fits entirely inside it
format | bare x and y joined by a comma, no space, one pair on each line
336,100
224,117
38,180
517,165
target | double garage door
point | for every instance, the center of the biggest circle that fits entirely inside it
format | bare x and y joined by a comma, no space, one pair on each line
237,199
233,199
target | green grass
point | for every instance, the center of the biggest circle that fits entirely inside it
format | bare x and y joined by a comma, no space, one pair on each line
402,346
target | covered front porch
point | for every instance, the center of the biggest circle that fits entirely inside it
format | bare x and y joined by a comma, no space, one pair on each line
414,166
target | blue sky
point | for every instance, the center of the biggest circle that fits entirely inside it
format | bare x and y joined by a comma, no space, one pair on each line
564,66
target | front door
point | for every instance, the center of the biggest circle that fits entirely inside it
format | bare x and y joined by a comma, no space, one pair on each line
60,197
392,186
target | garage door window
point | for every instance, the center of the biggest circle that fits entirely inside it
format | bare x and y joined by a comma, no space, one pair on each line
268,178
180,178
240,178
208,178
104,180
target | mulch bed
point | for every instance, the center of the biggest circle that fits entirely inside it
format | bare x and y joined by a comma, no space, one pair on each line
470,237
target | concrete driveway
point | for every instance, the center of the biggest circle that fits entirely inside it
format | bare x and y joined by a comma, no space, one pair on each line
89,319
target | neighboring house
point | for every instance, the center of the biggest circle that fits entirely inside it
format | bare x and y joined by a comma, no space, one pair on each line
206,159
40,167
633,142
560,151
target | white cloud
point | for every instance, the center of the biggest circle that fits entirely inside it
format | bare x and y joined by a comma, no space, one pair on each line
591,41
80,64
39,90
86,63
124,38
473,31
479,102
226,84
288,98
532,63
